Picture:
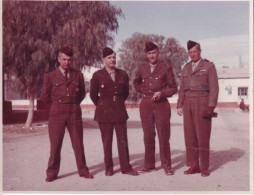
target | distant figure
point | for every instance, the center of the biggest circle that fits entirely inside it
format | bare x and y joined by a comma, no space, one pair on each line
64,89
242,105
197,99
156,82
109,90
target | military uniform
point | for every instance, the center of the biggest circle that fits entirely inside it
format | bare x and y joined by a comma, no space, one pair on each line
198,91
156,112
109,97
65,97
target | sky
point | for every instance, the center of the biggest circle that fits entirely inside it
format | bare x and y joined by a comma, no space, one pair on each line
221,27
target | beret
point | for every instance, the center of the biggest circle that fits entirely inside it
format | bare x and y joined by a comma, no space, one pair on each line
191,44
67,50
107,51
150,46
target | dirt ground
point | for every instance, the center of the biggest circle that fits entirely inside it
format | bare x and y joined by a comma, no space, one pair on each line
26,152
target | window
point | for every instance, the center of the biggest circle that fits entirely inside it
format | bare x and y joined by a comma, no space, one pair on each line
243,92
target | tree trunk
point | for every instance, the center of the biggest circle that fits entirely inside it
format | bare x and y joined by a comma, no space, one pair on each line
30,115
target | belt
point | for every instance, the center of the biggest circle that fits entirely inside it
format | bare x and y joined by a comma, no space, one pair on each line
114,98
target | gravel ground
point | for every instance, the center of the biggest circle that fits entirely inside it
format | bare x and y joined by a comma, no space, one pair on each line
26,152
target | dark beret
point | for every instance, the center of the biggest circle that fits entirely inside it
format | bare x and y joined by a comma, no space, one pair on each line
191,44
107,51
67,50
150,46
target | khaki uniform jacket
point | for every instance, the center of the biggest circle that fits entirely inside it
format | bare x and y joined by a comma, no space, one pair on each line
109,96
202,82
161,79
57,90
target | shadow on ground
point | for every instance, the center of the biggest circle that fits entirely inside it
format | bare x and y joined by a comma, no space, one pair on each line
137,162
220,158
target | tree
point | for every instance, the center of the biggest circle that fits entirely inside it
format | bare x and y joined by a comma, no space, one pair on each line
33,32
132,54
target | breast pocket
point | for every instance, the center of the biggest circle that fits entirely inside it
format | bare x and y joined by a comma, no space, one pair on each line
202,76
159,80
58,88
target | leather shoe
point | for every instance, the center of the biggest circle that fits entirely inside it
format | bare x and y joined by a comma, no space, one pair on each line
146,170
50,178
169,172
192,170
87,175
109,173
205,173
131,172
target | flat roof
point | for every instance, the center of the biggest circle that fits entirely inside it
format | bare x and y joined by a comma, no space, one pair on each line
234,73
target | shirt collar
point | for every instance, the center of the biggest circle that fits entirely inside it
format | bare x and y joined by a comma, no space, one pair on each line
196,63
62,70
109,70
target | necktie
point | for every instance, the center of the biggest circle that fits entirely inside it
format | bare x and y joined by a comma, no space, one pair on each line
194,65
152,67
66,75
112,75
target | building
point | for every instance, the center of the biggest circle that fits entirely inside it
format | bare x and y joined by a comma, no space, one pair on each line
234,84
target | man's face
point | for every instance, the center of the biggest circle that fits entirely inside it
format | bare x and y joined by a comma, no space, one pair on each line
153,56
195,53
110,61
64,61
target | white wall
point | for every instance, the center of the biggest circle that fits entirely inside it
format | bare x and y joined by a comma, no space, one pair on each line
226,84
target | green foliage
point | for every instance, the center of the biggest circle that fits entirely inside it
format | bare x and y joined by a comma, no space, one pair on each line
132,54
34,31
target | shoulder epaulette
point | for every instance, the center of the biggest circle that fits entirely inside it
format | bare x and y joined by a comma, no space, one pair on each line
206,60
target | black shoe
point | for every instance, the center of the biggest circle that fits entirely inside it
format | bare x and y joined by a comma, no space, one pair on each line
131,172
169,171
50,178
109,173
192,170
146,170
205,173
87,175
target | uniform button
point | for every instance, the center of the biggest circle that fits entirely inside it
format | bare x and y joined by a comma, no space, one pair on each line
150,83
68,94
115,92
60,100
67,89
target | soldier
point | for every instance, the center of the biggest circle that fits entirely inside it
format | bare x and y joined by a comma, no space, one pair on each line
156,82
198,95
109,90
64,89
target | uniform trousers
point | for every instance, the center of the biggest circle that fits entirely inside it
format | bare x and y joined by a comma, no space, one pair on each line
197,131
107,130
60,117
156,114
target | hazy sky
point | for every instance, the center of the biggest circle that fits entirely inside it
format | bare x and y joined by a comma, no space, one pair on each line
221,27
183,20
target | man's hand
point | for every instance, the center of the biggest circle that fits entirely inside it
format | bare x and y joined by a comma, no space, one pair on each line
156,96
209,113
180,111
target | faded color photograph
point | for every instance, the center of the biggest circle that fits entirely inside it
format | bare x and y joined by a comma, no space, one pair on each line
127,97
